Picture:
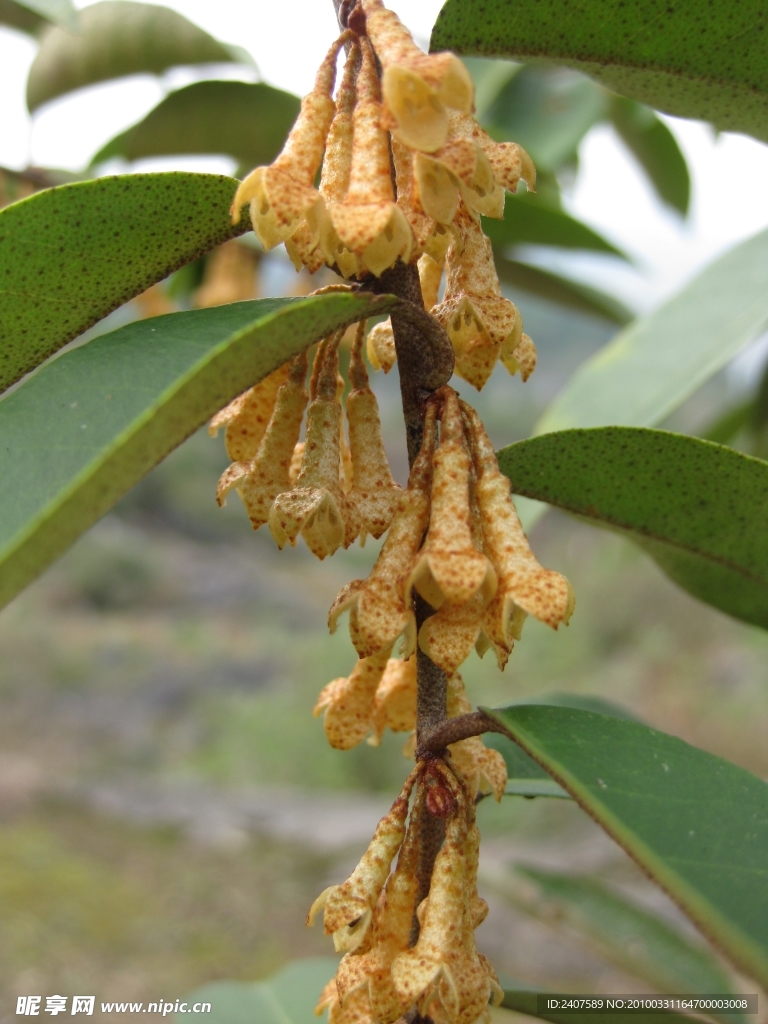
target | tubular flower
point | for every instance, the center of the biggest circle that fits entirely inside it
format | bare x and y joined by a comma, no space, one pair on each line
348,908
374,494
259,481
337,167
449,567
379,609
356,1010
282,193
430,276
394,706
417,86
480,322
349,703
429,235
380,346
459,169
484,770
316,506
246,418
368,221
524,586
392,920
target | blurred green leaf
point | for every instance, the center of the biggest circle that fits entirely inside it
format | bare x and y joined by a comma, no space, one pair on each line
725,428
696,824
701,60
655,148
652,366
70,255
562,290
82,431
528,221
699,509
247,121
633,938
288,997
117,38
548,111
33,15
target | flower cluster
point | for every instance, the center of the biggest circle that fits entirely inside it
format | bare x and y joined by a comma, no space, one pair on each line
373,915
328,492
456,540
405,173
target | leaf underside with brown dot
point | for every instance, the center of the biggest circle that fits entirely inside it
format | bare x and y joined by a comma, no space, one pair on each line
697,59
699,509
70,255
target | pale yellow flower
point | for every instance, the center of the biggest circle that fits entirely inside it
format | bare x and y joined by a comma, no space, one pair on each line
281,194
417,86
246,418
349,702
368,220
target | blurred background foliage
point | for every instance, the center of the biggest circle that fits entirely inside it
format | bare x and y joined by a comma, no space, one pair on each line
168,806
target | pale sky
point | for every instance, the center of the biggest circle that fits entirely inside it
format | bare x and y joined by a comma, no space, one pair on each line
287,40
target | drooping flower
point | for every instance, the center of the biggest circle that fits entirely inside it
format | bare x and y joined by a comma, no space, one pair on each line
316,507
356,1010
394,706
380,346
368,220
281,194
417,87
348,908
261,479
374,494
371,971
449,567
379,606
246,418
525,587
349,702
480,322
337,167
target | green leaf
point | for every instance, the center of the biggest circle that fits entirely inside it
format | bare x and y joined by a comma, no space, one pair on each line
695,823
548,111
655,148
116,38
247,121
33,15
529,221
633,938
562,290
729,424
695,59
288,997
84,429
70,255
525,776
699,509
526,1001
652,366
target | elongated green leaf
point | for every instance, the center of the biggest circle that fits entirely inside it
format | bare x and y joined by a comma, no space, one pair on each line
247,121
699,509
562,290
116,38
656,149
33,15
529,221
695,823
525,776
657,362
525,1001
70,255
79,433
696,59
288,997
548,111
639,942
